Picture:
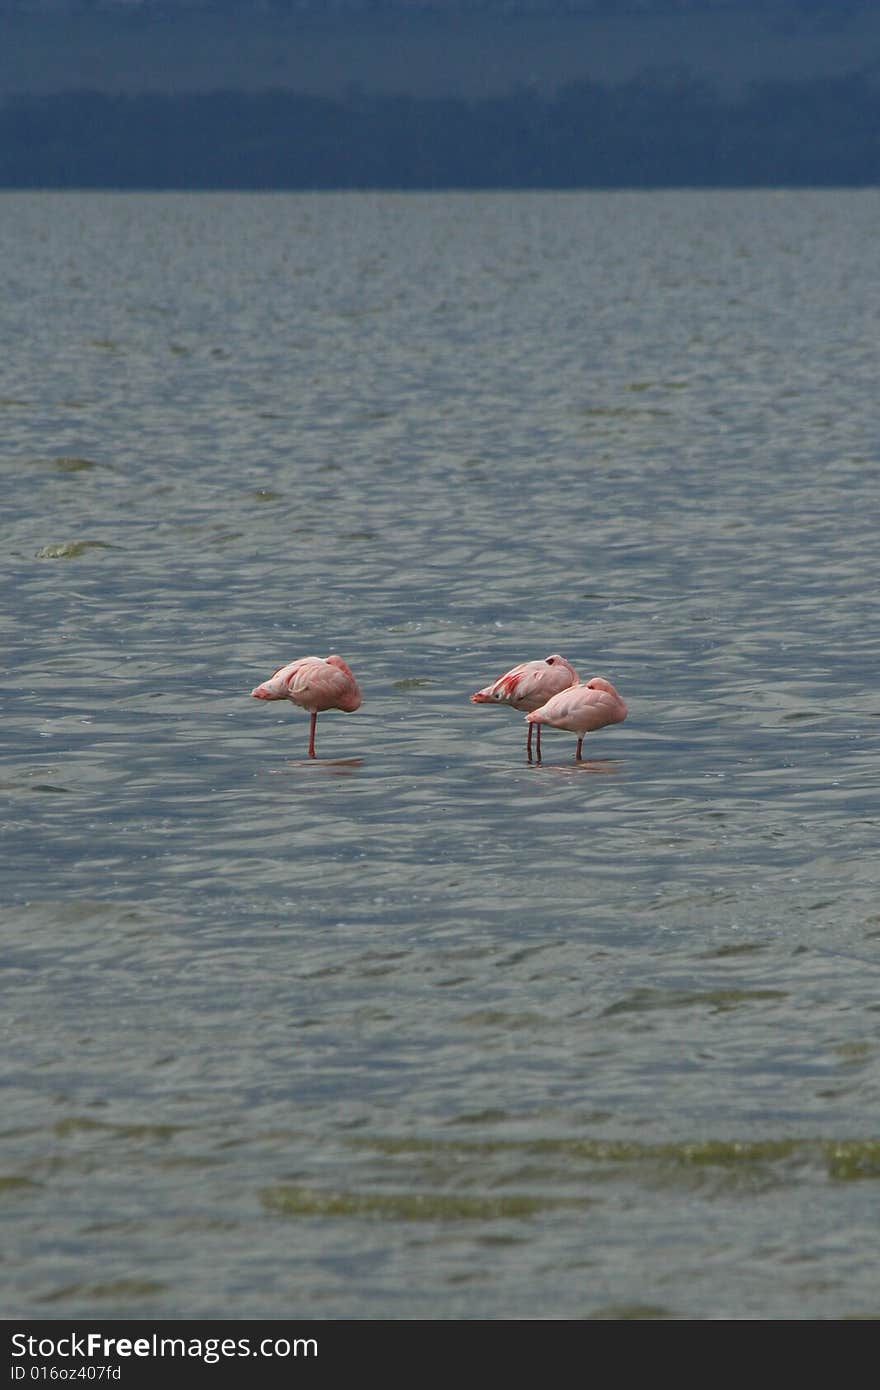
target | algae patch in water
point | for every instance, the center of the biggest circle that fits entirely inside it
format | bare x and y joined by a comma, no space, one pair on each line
853,1160
83,1124
72,463
288,1200
71,550
718,1000
844,1160
11,1183
631,1312
113,1290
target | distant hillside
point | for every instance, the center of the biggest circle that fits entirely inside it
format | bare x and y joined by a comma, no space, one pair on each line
830,12
460,48
652,131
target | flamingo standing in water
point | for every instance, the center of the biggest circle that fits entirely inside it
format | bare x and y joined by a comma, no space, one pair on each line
529,686
314,683
581,709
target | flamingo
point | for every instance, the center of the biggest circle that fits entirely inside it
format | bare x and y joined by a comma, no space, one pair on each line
528,686
581,709
314,683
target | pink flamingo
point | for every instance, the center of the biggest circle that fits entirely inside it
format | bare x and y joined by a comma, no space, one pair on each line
528,686
314,683
581,709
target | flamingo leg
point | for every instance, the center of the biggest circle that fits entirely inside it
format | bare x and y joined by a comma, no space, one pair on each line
529,744
577,756
314,721
539,743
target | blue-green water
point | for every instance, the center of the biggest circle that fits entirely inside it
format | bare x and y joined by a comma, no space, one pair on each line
420,1029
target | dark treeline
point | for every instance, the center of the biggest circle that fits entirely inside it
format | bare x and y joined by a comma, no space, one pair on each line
660,130
832,13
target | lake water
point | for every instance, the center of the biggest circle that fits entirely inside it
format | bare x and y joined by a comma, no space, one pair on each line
419,1029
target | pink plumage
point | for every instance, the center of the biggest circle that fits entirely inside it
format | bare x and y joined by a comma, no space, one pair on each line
529,686
314,683
582,709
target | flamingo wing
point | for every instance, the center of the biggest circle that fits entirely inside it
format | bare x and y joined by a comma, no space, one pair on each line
541,680
581,708
530,684
316,684
277,687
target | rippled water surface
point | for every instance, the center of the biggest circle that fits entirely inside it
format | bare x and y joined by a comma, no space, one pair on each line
420,1029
